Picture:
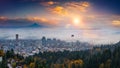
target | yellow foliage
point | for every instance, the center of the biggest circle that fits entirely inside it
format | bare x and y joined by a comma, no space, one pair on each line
32,65
77,63
108,63
1,53
14,65
101,65
58,66
25,66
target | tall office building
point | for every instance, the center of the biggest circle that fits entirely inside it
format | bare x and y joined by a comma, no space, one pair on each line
43,41
17,37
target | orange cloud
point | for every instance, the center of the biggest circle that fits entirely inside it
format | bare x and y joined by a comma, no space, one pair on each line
77,6
116,23
40,20
69,8
19,22
85,4
3,18
58,10
49,3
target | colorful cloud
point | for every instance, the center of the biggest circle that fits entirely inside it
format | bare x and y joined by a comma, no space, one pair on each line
59,10
24,22
49,3
116,23
77,6
69,8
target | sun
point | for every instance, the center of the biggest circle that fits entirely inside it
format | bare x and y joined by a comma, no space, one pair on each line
76,21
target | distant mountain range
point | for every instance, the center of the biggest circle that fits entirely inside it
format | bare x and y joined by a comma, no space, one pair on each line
34,25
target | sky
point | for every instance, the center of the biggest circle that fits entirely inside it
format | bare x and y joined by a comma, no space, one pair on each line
93,21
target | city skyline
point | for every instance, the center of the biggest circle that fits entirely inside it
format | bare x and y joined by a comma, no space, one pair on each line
87,20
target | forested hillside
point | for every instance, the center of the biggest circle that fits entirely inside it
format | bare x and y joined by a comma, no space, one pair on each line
104,56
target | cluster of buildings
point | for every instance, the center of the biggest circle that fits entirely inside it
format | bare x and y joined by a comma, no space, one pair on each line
26,47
